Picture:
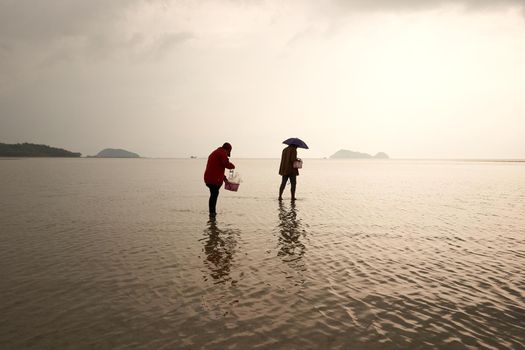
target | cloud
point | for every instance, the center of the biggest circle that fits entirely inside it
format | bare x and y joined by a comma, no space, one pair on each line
403,5
44,22
58,30
55,30
37,21
169,41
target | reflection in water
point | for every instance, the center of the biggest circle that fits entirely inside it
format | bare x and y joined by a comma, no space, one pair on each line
291,249
219,247
422,255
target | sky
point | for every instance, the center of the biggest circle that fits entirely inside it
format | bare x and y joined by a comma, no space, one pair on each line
166,78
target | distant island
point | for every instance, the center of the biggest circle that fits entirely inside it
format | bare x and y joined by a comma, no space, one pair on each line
115,153
34,150
346,154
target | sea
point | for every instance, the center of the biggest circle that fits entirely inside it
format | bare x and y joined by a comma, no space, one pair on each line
373,254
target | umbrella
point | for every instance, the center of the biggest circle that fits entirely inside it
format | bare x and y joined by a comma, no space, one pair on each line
294,141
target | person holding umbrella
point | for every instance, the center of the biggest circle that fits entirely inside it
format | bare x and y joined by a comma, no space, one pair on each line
214,174
288,168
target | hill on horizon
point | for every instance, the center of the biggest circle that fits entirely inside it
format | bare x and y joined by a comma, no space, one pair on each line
34,150
347,154
115,153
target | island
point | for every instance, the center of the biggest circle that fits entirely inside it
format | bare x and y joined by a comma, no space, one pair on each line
115,153
347,154
34,150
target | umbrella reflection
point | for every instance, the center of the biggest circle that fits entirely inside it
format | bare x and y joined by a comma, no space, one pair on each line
291,249
219,248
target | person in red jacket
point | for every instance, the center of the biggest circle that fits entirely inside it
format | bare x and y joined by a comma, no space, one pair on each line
214,174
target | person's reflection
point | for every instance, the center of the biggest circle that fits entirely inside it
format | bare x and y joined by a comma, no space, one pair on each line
219,247
291,249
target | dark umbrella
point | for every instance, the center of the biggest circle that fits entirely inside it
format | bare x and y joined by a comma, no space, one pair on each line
294,141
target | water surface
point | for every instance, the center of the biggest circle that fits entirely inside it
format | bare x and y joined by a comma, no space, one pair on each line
116,253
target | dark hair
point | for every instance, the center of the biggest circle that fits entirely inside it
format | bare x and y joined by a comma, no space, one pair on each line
227,145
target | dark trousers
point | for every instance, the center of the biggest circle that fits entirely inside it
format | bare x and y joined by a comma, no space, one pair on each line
214,195
293,182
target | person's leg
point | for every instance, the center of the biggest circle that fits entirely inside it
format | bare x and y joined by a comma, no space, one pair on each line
214,195
293,182
283,185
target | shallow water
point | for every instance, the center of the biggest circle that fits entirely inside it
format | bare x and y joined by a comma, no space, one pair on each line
121,254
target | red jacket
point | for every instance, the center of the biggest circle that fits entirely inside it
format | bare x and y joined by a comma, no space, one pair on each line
217,163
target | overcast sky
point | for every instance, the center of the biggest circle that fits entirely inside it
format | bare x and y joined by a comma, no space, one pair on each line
412,78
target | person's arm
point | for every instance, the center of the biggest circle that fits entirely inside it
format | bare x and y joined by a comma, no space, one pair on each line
226,162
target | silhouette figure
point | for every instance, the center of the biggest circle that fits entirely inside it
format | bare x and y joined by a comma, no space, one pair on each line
214,174
288,171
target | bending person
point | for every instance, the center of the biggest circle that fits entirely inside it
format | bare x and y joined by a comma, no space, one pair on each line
214,174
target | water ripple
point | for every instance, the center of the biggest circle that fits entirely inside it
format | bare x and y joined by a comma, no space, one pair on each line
388,255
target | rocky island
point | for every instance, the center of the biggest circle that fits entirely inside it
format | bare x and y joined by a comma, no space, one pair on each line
115,153
34,150
347,154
